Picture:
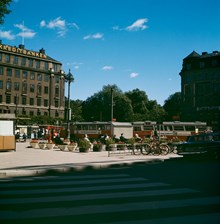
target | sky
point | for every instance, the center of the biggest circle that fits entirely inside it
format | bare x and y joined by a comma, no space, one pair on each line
130,43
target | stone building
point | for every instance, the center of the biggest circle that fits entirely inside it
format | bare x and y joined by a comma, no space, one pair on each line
31,82
200,88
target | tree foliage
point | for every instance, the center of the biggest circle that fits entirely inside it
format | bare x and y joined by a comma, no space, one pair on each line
4,4
172,106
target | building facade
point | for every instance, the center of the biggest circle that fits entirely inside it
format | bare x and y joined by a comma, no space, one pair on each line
200,88
31,83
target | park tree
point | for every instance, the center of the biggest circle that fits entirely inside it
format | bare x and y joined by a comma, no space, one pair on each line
98,106
4,4
172,106
144,109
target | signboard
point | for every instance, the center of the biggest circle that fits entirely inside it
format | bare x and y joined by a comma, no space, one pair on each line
6,128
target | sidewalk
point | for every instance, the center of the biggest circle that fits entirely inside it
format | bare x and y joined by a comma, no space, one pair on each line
29,161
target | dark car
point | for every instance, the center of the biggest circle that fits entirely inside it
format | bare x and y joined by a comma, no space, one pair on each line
207,144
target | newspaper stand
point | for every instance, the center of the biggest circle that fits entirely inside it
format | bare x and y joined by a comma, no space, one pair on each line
7,132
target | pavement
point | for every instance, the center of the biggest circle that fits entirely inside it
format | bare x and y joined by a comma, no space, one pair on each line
27,161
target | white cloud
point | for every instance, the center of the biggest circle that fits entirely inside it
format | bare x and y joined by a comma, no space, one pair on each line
138,25
107,68
59,24
7,35
25,32
94,36
133,75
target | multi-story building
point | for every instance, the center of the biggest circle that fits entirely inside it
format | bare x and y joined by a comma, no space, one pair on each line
31,83
200,88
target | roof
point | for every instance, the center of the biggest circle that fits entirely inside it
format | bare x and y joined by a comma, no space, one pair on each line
194,54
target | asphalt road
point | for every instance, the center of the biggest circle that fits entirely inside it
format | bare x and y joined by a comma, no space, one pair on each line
174,191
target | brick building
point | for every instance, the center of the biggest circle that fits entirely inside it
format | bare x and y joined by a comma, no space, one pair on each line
200,88
31,83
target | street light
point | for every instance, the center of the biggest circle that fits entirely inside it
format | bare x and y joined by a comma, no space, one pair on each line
69,78
51,74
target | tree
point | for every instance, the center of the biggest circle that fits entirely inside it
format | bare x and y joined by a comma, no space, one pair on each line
98,106
172,106
4,9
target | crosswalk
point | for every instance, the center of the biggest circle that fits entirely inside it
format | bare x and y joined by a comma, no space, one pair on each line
102,198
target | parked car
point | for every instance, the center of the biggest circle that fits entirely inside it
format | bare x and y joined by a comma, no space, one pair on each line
207,144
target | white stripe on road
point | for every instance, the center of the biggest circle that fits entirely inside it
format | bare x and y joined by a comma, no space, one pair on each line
81,189
83,197
97,209
212,218
74,182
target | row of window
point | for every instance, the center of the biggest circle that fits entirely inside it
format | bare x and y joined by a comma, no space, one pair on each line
201,64
31,102
23,61
27,75
24,87
31,113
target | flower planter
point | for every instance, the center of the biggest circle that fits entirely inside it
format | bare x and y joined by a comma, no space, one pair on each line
34,145
62,147
50,145
83,149
97,148
72,147
42,145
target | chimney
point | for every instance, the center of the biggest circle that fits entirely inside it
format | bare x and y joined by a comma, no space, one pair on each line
204,53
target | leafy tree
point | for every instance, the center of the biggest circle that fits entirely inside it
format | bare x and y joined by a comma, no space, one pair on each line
4,9
172,106
98,106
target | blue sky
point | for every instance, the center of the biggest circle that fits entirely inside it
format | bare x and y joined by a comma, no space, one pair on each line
130,43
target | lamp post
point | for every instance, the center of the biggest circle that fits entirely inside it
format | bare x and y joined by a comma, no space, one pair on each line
69,78
51,74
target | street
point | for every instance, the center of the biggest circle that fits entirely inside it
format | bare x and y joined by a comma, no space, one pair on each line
173,191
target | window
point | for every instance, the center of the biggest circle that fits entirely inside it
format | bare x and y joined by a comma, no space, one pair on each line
56,103
31,62
0,56
201,64
178,128
32,88
32,76
37,64
1,84
23,61
7,58
56,91
16,86
46,66
0,98
57,78
1,71
46,90
38,89
31,101
38,101
17,73
55,67
8,86
24,87
8,99
39,77
16,60
46,103
9,72
31,113
24,100
46,77
24,74
16,100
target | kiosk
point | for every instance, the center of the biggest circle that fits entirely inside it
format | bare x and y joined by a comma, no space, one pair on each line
7,132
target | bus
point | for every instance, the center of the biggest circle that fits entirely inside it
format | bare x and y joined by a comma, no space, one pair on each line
169,129
96,129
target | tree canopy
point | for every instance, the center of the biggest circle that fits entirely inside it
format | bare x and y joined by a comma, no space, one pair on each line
4,4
